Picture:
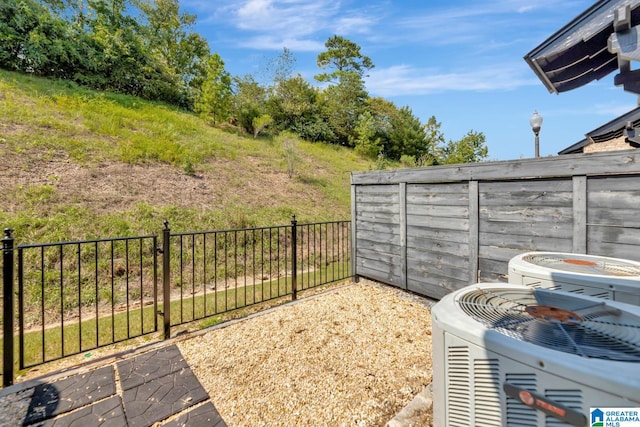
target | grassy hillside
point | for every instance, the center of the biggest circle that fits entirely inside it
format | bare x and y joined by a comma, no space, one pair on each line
80,164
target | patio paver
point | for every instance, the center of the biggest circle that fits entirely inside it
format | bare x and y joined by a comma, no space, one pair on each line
149,388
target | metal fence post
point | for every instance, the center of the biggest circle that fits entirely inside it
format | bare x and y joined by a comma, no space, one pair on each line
166,280
7,271
294,257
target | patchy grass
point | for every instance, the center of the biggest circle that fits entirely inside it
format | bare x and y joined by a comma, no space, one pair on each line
86,164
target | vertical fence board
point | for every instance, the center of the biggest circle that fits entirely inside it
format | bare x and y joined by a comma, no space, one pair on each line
580,214
402,206
474,242
613,223
438,237
354,239
378,233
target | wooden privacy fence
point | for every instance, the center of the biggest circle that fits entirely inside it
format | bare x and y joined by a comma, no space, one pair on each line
436,229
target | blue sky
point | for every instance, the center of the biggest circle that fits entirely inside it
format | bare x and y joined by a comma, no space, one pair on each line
458,60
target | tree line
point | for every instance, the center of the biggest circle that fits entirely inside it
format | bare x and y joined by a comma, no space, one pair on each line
148,48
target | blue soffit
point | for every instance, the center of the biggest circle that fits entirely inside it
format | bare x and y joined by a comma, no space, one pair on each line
582,51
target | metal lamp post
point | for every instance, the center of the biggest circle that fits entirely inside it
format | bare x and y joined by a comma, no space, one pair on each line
536,123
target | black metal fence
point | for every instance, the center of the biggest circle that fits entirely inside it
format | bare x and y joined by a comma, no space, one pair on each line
73,297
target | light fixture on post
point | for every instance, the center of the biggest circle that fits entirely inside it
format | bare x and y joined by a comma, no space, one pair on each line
536,123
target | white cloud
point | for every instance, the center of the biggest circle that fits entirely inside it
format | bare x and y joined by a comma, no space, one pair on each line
357,24
254,7
476,22
267,42
298,24
608,110
407,80
296,17
613,109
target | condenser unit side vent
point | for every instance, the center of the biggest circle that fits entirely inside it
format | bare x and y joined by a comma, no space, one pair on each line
519,414
486,374
569,398
458,386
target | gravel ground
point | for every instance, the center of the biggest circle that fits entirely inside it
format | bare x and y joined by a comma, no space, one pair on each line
354,356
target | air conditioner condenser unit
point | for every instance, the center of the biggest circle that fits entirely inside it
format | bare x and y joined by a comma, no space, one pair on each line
603,277
509,355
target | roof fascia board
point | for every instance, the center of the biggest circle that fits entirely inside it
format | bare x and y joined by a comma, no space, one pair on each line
561,41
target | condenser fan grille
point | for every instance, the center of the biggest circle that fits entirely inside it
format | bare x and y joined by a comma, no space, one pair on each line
564,323
583,264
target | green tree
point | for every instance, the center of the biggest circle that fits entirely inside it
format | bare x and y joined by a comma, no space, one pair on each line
292,101
470,149
123,63
407,136
344,99
342,104
73,10
366,141
104,44
215,93
248,101
343,56
183,53
432,155
281,67
37,40
382,110
418,147
260,123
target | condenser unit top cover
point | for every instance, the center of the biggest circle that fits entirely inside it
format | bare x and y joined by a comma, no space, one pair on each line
559,266
587,339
